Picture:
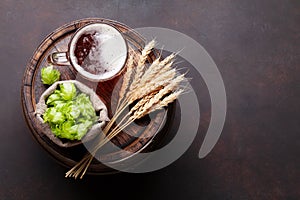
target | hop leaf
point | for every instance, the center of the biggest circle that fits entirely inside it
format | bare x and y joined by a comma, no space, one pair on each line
49,75
67,91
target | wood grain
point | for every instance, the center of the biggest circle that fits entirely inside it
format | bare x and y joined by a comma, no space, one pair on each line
140,135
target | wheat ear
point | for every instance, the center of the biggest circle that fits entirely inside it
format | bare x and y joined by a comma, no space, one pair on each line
157,97
155,84
142,101
169,99
141,64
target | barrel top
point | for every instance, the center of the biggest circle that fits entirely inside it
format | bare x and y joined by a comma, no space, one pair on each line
141,133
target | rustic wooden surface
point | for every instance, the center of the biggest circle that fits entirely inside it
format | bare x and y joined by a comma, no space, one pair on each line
255,44
140,134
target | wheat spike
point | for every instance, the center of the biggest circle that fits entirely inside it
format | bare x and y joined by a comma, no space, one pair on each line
141,102
150,72
157,68
155,84
141,65
145,52
167,59
142,111
153,79
169,99
159,73
166,67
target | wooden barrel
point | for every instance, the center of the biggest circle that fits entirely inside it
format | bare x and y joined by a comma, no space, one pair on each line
142,133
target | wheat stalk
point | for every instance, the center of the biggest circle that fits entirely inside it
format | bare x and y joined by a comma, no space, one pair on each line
152,89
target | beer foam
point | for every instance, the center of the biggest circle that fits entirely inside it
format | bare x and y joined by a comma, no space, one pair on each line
107,55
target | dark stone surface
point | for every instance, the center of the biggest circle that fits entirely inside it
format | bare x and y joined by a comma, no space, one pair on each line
256,46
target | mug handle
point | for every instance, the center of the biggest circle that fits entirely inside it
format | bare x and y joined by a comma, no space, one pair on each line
59,58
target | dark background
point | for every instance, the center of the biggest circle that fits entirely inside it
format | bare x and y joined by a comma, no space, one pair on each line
256,46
